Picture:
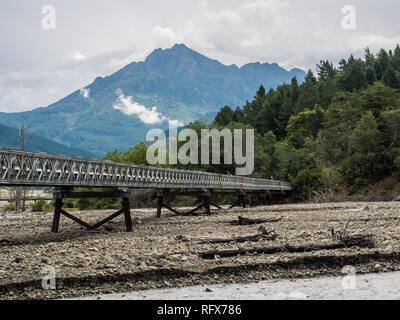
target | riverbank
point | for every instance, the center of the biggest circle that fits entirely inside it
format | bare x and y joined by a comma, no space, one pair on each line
373,286
153,256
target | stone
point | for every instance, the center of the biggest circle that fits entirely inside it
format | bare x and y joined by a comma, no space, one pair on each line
388,249
156,255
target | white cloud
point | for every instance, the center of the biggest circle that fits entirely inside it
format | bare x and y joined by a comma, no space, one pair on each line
77,56
165,36
85,92
128,106
291,33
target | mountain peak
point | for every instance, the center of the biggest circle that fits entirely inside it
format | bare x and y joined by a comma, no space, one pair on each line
179,46
178,83
175,49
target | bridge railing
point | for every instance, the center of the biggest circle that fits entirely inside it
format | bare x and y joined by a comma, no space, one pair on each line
21,168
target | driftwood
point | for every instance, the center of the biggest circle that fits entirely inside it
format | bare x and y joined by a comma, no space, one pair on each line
242,221
262,233
362,241
365,208
4,242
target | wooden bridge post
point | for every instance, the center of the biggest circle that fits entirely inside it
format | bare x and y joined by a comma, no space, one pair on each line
159,206
206,197
56,217
127,213
269,198
160,202
242,198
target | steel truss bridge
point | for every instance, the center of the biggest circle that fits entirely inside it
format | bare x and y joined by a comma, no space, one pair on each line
33,169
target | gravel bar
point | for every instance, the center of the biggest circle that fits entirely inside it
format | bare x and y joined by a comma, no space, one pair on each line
110,260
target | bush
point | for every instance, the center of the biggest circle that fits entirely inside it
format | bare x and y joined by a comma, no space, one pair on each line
68,203
291,161
84,204
40,206
95,204
106,203
9,207
397,166
307,180
331,178
360,170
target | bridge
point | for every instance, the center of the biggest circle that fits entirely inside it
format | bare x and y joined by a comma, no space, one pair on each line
33,169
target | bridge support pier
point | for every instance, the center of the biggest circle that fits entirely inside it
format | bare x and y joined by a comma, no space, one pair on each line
269,198
56,217
241,200
206,203
58,210
160,204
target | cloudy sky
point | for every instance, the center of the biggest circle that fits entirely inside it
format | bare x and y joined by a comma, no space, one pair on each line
94,38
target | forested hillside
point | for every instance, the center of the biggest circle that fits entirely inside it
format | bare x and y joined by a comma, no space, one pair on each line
9,137
339,130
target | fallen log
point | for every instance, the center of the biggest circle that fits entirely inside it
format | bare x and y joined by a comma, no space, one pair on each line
354,241
242,221
4,242
262,233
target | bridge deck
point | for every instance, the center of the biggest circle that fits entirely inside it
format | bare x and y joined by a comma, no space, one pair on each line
21,168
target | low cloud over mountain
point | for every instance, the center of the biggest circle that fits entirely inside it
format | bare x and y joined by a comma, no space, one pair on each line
174,85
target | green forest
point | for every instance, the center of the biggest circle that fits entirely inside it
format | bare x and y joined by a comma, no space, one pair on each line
337,132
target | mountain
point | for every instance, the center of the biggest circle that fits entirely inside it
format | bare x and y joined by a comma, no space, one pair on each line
39,144
116,111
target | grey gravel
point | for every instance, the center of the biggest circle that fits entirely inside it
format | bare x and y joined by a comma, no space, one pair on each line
383,286
152,257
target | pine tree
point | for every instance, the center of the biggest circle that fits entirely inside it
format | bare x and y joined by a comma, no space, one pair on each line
225,116
260,92
325,70
370,75
369,57
390,79
383,59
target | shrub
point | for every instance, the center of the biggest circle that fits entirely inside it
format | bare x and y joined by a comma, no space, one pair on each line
9,207
397,166
307,180
331,177
40,206
84,204
68,203
106,203
95,204
360,170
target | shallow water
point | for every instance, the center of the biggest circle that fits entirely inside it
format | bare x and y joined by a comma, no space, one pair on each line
380,286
